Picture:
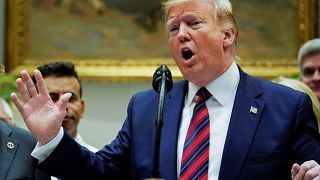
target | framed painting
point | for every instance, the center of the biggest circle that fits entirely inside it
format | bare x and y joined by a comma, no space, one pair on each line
116,41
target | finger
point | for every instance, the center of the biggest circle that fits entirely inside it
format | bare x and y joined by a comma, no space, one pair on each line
31,87
17,103
300,174
29,84
306,166
294,170
22,90
313,172
63,101
41,85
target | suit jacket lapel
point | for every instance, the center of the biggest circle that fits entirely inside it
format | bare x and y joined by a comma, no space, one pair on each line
169,136
246,113
7,154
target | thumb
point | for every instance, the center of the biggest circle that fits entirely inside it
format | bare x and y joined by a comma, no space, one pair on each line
63,101
294,170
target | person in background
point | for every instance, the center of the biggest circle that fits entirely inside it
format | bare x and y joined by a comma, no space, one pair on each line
219,123
60,78
309,63
6,113
16,144
300,86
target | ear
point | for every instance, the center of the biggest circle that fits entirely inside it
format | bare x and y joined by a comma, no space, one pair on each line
229,37
82,108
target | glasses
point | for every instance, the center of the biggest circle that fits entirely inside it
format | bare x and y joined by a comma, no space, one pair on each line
308,72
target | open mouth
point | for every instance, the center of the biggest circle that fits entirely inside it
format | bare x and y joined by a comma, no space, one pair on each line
187,54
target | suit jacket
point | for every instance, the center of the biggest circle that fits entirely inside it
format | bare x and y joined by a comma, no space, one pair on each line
16,145
261,145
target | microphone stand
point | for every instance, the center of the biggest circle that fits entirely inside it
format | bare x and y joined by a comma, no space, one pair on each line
165,85
159,123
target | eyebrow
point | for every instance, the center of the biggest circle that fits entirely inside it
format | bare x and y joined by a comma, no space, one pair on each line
185,15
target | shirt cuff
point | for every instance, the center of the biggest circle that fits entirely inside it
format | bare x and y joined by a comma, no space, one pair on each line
42,152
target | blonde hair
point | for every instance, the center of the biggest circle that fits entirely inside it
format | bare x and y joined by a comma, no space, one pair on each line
222,13
300,86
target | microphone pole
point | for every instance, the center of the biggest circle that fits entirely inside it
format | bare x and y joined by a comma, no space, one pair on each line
162,83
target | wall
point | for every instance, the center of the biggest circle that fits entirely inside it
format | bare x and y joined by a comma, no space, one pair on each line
106,110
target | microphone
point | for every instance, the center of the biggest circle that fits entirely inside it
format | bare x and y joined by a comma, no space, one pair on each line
162,84
162,75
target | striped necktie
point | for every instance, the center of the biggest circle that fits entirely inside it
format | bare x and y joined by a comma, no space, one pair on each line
195,157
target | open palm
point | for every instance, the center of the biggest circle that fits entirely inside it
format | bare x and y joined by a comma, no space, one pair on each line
42,116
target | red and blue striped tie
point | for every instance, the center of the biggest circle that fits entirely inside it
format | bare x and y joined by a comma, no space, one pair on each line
195,157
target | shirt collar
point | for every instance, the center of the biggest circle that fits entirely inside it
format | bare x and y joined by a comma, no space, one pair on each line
221,88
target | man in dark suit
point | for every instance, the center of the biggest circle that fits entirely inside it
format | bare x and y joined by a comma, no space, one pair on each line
16,144
220,123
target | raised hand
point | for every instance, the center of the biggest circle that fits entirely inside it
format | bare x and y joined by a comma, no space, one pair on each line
42,116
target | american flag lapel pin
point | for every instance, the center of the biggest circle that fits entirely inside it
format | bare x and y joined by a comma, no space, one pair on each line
253,110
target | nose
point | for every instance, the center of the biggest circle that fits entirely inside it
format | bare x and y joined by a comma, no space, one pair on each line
183,34
316,75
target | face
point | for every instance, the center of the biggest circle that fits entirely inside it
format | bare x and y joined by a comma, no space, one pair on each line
4,116
57,86
200,48
311,73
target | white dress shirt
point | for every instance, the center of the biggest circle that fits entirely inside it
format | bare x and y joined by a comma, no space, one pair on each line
85,144
219,106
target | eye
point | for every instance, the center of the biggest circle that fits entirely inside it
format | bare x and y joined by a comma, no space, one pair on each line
194,23
54,97
73,98
173,29
308,72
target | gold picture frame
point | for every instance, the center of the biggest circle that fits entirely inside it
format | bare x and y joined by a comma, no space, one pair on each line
130,70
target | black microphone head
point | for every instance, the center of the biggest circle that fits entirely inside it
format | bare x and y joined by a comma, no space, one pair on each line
157,78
